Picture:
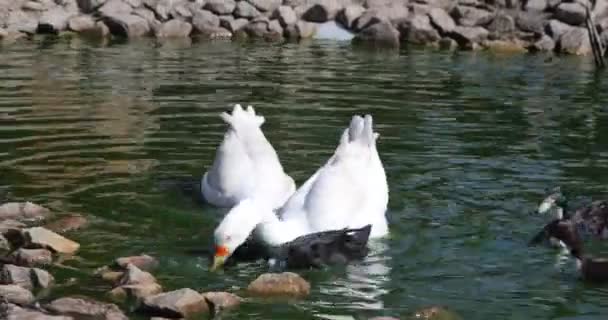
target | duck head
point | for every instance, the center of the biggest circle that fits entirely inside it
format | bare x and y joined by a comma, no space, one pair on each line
555,201
234,230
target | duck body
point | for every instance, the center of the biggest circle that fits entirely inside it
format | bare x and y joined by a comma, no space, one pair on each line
245,165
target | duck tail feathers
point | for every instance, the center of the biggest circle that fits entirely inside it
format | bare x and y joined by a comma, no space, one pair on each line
240,116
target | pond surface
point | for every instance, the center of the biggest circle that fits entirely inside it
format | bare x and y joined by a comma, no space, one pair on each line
469,141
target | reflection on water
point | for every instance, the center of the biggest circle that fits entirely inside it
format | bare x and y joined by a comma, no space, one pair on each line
469,141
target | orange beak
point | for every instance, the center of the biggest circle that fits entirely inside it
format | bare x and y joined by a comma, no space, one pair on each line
221,254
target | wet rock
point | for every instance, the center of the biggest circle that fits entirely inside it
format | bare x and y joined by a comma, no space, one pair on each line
575,41
134,275
136,292
233,25
14,312
279,284
143,262
220,6
285,15
305,29
221,300
204,21
39,237
115,7
502,24
504,46
16,294
10,225
12,274
535,5
546,43
41,278
73,221
257,28
471,16
467,37
86,309
54,20
5,246
175,304
322,11
23,210
127,25
266,5
556,29
77,24
246,10
31,257
435,313
419,31
367,19
347,16
274,26
572,13
174,29
442,20
112,276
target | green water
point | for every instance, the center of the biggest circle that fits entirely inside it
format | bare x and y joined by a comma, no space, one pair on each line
469,142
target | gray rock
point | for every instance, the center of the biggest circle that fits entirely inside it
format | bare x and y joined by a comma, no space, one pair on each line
376,3
502,24
257,28
420,9
470,16
575,41
88,6
26,22
347,16
419,30
11,225
556,28
285,15
368,18
221,300
174,29
134,3
149,16
11,274
54,20
127,25
305,29
571,13
5,246
39,237
265,5
275,26
468,36
322,11
162,8
81,23
535,5
220,6
136,292
34,6
182,10
531,22
31,257
180,303
17,313
16,294
114,7
246,10
545,43
134,275
204,21
288,283
442,20
85,308
41,278
231,24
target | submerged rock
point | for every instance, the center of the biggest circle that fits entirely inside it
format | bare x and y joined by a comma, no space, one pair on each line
143,262
575,41
31,257
175,304
39,237
78,24
134,275
73,221
279,284
222,300
137,292
85,308
545,43
380,34
174,29
127,25
41,278
23,210
16,294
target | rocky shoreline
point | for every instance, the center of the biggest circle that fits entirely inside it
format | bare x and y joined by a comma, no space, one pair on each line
31,240
503,25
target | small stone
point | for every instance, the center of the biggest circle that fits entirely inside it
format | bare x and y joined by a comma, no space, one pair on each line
41,278
556,28
545,43
535,5
575,41
222,300
17,313
220,6
467,37
23,210
31,257
11,274
78,24
572,13
281,284
246,10
88,5
85,308
127,25
39,237
471,16
74,221
175,304
286,16
16,294
143,262
174,29
442,20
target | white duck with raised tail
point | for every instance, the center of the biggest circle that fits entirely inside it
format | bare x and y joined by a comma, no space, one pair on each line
246,165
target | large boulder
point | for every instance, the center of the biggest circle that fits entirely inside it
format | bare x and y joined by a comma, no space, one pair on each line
442,20
23,210
575,41
556,28
82,308
134,275
279,284
136,292
221,300
545,43
231,24
205,21
535,5
419,30
89,5
285,15
127,25
175,304
572,13
41,278
246,10
16,294
220,7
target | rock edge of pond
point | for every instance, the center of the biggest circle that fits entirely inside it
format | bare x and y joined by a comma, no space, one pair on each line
497,25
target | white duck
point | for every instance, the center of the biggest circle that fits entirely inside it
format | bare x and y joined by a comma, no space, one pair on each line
349,191
246,165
